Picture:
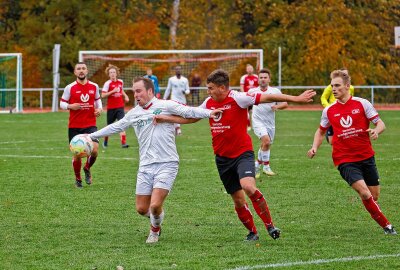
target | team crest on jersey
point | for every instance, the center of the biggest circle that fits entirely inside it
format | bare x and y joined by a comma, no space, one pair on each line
346,123
157,111
85,97
91,92
355,111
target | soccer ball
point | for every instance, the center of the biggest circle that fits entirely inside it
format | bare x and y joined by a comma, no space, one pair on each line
81,145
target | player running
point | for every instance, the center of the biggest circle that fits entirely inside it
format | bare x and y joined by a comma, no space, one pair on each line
113,90
158,158
82,99
263,122
352,151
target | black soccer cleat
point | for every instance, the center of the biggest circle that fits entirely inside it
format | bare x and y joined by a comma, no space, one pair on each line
390,230
125,145
78,183
88,176
251,237
274,232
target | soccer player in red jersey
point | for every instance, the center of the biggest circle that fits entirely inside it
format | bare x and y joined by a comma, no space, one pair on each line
113,90
247,82
82,99
352,151
233,147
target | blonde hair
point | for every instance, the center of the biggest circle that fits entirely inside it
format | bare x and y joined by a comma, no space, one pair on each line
342,74
112,67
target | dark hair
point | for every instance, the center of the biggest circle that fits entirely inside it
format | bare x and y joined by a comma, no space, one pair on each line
219,77
265,70
80,63
148,84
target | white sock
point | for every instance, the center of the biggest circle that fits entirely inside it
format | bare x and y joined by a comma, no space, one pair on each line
265,156
156,220
259,154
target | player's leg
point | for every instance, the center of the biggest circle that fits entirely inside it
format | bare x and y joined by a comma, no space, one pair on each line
230,180
164,178
245,165
93,156
178,130
260,131
110,120
119,114
266,142
76,160
353,173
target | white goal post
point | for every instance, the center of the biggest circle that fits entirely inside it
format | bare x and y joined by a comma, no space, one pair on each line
11,82
134,63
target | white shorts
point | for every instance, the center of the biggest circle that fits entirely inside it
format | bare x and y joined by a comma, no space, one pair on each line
261,131
156,175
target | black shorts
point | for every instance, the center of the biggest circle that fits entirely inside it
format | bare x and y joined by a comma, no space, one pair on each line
115,114
329,131
361,170
72,132
231,170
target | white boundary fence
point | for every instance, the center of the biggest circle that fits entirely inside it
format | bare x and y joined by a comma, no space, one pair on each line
41,101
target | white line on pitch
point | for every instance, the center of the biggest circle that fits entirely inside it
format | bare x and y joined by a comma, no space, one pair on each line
320,261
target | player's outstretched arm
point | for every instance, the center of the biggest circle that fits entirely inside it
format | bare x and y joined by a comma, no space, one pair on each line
375,132
305,97
162,118
318,137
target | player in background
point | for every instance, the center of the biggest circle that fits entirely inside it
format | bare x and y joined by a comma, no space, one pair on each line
327,98
113,90
248,81
263,122
178,87
154,79
82,99
158,158
352,151
233,148
195,82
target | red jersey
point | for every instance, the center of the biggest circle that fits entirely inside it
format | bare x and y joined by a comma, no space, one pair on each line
249,81
115,100
229,132
86,95
350,142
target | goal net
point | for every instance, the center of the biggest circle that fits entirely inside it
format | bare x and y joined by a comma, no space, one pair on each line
162,62
10,82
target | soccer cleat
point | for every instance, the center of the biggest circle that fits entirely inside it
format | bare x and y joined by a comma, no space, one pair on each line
274,232
105,144
390,230
152,238
78,183
88,176
268,171
251,237
258,170
125,145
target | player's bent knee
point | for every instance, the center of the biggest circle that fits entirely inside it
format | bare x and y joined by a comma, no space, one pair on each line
142,211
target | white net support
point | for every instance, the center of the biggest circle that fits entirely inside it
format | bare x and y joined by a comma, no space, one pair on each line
10,82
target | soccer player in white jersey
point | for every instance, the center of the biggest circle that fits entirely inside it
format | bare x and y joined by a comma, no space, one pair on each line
352,151
263,122
233,148
178,87
158,158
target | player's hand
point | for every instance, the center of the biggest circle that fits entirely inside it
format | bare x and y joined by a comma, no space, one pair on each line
126,99
97,112
216,113
273,108
75,106
312,152
373,134
306,96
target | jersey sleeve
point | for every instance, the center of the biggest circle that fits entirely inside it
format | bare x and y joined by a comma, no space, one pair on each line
186,111
242,79
106,86
156,87
168,90
64,101
187,89
325,96
370,111
245,100
324,123
114,128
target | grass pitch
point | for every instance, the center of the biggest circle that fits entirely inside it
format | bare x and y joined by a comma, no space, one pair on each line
47,223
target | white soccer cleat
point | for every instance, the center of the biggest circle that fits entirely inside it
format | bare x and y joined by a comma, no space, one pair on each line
152,238
258,170
268,171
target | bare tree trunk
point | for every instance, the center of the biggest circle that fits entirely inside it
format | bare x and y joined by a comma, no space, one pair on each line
174,23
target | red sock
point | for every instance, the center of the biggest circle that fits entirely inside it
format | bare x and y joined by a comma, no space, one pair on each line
77,164
261,207
155,229
246,218
90,161
265,163
123,139
106,139
376,213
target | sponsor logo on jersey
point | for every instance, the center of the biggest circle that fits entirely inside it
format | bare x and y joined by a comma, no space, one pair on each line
336,114
157,111
218,117
355,111
91,92
346,123
85,97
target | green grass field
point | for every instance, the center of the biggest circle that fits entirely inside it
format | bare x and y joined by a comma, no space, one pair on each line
47,223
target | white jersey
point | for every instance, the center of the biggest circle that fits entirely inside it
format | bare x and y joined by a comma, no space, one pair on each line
178,88
156,142
263,115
